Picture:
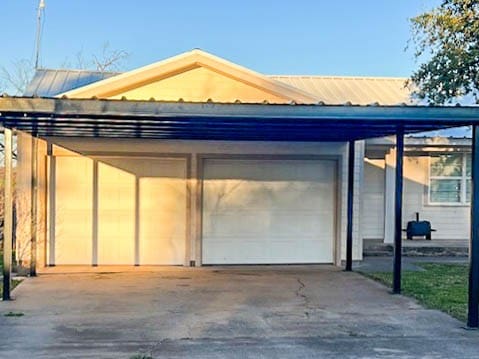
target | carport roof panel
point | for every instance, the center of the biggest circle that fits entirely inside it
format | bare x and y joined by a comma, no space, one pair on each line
217,121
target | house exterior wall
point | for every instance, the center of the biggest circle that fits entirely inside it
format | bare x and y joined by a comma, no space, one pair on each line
452,222
196,150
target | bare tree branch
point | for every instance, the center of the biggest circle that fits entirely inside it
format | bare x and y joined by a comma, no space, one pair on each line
17,79
109,60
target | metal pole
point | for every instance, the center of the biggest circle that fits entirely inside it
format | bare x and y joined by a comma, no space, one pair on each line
7,216
349,229
41,8
34,207
398,210
473,303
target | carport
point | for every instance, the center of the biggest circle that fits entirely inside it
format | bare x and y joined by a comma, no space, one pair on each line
93,118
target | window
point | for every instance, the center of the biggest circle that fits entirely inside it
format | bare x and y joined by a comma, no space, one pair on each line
450,178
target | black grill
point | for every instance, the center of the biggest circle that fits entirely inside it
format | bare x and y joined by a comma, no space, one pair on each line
419,228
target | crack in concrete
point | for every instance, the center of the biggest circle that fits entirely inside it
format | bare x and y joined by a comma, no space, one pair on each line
299,293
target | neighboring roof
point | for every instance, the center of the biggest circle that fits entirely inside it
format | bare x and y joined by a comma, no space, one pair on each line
453,133
357,90
428,141
187,61
50,83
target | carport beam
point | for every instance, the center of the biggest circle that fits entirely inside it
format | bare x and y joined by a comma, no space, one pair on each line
349,229
398,211
473,303
8,215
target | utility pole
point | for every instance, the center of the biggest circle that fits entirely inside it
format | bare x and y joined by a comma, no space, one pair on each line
40,11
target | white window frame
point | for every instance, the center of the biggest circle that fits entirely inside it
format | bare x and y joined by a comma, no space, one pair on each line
463,178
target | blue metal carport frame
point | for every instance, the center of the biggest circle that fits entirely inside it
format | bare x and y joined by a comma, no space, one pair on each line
52,117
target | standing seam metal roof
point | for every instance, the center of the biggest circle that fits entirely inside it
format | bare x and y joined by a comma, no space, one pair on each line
49,82
357,90
330,90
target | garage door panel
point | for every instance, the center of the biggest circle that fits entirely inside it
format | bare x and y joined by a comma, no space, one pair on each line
222,225
73,210
248,195
245,252
163,215
116,215
136,196
258,211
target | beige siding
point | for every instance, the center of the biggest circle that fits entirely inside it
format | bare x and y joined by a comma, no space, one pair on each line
372,209
199,84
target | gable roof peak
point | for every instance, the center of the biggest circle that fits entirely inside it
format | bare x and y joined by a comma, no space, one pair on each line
184,62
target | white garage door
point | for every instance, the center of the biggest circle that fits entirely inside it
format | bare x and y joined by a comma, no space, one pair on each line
73,212
140,213
268,211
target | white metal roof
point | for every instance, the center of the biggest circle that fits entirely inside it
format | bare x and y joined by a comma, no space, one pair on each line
357,90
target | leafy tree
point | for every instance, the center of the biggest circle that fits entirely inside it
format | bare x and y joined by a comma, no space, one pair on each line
447,37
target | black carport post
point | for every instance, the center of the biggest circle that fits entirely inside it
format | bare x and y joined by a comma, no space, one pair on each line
350,205
7,215
473,304
398,210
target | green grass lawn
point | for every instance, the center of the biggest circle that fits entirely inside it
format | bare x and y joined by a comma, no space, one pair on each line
439,286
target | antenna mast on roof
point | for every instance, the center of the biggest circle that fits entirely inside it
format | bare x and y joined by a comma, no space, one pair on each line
40,11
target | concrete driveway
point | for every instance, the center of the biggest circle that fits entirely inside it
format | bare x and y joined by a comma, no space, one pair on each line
237,312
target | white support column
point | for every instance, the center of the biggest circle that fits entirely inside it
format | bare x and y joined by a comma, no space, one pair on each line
51,205
358,198
34,207
389,191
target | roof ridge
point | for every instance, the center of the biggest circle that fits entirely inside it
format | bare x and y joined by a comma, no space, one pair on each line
271,76
341,77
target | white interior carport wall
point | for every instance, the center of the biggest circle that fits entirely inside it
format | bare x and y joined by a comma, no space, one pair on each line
80,231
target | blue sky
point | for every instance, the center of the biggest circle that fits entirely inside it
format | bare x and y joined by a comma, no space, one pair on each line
322,37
